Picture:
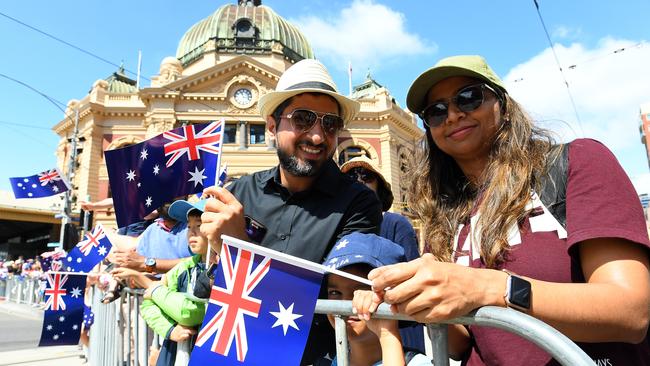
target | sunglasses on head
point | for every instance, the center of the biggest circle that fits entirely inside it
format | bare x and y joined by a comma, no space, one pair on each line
467,99
362,174
304,120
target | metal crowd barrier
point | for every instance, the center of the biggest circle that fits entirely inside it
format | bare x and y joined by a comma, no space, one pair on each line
555,343
22,290
121,337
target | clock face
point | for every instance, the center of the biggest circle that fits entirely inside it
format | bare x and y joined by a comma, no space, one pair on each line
243,96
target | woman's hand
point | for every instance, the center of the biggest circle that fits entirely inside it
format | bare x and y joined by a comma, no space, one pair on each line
432,291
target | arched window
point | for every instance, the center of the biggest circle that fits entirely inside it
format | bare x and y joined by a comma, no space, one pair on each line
352,152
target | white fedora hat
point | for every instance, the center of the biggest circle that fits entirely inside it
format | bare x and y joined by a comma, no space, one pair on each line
306,76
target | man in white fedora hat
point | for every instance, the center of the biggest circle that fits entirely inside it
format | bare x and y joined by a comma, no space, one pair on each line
305,204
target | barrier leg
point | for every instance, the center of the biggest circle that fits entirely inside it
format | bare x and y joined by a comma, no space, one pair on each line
439,343
341,341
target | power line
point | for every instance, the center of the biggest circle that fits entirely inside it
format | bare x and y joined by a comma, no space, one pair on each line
91,54
557,61
24,125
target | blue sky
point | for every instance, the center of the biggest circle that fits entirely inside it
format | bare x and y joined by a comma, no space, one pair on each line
396,40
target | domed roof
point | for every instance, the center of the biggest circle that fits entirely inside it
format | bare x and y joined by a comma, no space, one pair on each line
244,28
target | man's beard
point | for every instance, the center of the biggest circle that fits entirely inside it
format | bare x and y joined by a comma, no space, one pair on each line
299,168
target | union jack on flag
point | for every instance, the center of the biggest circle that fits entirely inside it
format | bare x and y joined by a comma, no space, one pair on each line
55,291
189,142
262,303
49,176
91,240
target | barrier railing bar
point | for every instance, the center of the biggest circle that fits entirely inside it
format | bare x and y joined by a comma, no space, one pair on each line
552,341
341,341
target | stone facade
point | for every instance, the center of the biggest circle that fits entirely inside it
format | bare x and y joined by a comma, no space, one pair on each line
220,85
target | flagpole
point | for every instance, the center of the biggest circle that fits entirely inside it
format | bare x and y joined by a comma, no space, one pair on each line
350,77
137,79
71,164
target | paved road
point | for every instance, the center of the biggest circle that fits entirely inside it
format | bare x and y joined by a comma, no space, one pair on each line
20,331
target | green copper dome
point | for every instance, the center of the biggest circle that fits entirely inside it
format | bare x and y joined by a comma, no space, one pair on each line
245,29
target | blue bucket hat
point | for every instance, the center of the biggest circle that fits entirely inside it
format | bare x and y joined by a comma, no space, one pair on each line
180,209
368,249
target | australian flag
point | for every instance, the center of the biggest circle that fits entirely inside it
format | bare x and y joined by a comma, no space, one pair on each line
90,251
64,309
44,184
175,163
261,305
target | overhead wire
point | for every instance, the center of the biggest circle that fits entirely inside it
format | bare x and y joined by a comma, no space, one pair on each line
557,61
91,54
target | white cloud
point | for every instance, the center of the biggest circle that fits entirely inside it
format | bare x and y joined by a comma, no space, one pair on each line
565,32
607,88
365,33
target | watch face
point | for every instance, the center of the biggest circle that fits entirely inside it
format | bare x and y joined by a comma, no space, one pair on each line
243,96
150,262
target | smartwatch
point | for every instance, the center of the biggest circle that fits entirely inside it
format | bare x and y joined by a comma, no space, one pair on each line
518,293
150,265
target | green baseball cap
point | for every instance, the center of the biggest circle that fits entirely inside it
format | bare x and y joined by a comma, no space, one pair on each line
466,65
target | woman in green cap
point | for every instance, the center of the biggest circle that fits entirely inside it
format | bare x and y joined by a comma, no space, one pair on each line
513,220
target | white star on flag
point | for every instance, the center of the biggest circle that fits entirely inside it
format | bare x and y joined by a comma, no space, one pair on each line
143,154
130,176
74,327
139,184
62,318
285,318
342,244
56,336
76,292
197,176
156,169
148,201
101,250
55,188
49,327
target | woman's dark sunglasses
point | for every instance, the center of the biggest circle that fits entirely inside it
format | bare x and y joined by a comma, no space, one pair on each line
362,174
467,99
303,120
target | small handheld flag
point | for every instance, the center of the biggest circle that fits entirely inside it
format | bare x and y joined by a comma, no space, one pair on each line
178,162
64,295
262,303
44,184
90,251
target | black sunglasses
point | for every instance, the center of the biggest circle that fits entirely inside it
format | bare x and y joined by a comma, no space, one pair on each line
467,99
304,120
362,174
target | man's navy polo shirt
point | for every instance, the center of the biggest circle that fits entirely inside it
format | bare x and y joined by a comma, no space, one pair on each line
307,224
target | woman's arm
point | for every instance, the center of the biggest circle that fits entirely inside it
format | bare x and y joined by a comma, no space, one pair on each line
612,306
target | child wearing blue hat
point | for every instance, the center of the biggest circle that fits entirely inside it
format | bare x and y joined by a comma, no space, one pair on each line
372,342
167,307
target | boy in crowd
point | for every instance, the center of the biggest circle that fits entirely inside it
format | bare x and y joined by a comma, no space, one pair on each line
167,308
372,342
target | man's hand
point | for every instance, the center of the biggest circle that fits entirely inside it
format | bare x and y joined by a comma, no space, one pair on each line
128,258
181,333
223,214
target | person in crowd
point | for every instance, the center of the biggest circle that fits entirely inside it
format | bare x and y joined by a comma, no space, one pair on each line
167,308
490,240
160,247
371,341
305,204
394,227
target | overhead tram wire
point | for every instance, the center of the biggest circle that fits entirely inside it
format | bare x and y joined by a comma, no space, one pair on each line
557,61
91,54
